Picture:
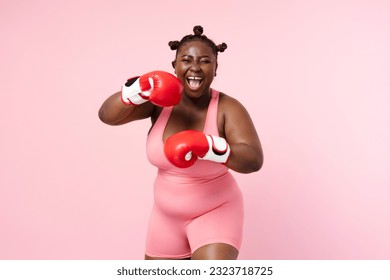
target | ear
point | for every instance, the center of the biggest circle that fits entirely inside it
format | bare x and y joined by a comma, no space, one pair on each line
216,67
174,65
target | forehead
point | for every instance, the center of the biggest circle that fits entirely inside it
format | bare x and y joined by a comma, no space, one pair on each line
195,47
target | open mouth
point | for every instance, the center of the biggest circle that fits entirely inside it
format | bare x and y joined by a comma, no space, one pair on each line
194,82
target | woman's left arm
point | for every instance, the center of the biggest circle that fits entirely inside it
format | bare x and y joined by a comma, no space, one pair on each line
239,131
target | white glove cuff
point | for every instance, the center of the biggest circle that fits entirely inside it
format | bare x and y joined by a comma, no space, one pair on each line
219,149
134,95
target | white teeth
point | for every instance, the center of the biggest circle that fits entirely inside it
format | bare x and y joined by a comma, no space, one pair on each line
194,82
194,78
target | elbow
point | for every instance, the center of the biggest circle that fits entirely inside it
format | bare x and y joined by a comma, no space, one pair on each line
255,165
101,114
103,117
250,166
258,161
248,162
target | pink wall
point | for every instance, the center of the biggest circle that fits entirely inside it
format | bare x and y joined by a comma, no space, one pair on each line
315,78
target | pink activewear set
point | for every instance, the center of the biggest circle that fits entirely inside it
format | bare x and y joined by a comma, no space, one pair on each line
193,206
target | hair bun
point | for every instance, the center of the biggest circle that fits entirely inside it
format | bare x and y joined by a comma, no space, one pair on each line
198,30
173,45
198,36
222,47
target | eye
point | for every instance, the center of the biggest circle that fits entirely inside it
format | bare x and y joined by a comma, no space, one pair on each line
185,59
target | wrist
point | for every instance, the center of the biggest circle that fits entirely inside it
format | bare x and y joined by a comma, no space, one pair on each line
219,149
136,91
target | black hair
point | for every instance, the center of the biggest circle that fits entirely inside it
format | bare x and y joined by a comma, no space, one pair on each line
198,35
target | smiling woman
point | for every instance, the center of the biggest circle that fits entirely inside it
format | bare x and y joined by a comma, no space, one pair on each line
202,53
199,59
197,135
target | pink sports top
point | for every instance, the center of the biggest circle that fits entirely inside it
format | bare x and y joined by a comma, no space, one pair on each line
202,170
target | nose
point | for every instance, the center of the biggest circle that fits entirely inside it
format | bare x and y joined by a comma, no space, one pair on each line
195,66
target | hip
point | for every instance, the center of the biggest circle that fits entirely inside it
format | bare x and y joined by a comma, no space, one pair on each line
195,196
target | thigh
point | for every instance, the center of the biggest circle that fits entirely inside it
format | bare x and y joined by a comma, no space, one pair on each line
215,251
153,258
166,238
222,225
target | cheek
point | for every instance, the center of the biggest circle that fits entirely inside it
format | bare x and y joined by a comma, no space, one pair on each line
211,71
180,70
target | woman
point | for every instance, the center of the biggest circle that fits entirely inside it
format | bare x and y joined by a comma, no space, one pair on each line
197,134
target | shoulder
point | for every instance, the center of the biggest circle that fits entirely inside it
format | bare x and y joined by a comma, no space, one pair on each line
228,104
233,111
232,115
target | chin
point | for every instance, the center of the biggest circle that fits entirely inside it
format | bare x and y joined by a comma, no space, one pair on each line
196,93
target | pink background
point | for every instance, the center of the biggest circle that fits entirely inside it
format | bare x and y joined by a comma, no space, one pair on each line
314,76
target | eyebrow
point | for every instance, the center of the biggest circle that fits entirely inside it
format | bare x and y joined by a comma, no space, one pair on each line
191,56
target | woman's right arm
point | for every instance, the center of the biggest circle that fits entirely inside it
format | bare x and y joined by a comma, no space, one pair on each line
140,96
114,112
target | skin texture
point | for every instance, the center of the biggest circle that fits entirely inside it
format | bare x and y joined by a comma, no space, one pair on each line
195,58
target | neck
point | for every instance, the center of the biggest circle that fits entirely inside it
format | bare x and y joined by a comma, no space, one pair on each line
199,102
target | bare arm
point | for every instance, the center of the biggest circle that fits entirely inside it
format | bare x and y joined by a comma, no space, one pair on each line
114,112
246,151
156,88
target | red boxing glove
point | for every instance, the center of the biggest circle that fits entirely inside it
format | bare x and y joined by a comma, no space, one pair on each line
161,88
184,148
